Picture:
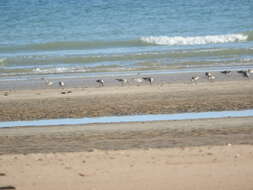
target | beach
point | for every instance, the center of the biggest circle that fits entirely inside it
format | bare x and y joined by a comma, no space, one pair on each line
191,154
184,154
168,94
191,168
109,95
222,167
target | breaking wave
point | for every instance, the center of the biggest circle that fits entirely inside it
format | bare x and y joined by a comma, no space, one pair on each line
139,42
197,40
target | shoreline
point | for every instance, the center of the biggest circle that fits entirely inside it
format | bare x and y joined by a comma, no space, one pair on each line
118,100
72,80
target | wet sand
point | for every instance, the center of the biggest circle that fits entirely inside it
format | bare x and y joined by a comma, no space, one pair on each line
191,154
124,136
127,100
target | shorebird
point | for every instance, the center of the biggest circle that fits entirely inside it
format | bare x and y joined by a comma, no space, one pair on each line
250,70
245,73
208,74
211,77
195,78
61,84
49,83
226,72
138,81
122,81
100,82
148,79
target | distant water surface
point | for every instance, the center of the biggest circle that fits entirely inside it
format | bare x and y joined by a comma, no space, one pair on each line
76,36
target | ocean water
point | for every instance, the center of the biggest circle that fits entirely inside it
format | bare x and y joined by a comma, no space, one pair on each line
97,36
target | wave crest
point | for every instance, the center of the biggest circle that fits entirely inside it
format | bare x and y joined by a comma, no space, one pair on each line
197,40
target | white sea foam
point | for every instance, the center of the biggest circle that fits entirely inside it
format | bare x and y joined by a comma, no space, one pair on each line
58,70
197,40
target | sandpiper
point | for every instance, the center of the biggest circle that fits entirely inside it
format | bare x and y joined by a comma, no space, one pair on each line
138,80
122,81
195,78
250,70
148,79
211,77
208,74
61,84
50,83
100,82
226,72
245,73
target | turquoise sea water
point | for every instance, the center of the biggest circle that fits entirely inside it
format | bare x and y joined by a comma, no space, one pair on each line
73,36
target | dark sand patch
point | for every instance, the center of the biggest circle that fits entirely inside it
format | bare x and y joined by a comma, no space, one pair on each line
164,134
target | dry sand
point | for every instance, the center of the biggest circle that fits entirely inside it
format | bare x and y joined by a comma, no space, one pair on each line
193,168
